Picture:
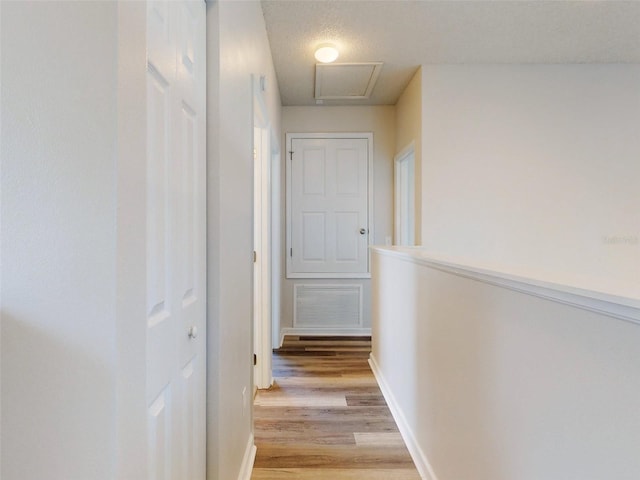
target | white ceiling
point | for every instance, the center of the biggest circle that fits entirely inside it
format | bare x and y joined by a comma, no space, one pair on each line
405,34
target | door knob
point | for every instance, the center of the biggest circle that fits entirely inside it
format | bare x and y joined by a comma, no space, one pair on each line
193,331
363,231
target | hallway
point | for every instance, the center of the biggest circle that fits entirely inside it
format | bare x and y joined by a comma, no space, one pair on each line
325,417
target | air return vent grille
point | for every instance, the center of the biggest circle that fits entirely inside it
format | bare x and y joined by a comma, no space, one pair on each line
346,81
327,305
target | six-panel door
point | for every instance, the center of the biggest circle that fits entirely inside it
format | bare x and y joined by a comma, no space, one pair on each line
329,206
176,239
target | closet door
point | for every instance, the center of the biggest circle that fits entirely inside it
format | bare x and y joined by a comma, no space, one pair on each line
176,239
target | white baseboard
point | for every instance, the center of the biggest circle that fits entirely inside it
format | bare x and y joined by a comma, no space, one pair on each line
326,331
247,461
418,456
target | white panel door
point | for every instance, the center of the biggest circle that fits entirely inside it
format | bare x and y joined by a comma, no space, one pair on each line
329,191
176,239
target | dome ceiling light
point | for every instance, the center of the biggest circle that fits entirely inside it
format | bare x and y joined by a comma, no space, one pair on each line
326,53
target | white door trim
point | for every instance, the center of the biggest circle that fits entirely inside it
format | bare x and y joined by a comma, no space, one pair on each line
276,241
263,377
407,154
356,135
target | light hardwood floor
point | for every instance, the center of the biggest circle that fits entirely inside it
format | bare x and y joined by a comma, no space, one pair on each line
325,417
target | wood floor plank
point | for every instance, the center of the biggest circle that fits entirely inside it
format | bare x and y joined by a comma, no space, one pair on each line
278,437
313,382
360,415
341,348
276,399
332,456
335,474
331,338
326,388
312,426
378,439
359,400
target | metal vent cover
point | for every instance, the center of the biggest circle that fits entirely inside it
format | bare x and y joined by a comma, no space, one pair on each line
346,81
322,305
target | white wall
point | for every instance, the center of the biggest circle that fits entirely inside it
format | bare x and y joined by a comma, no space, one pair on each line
534,166
237,47
59,119
73,229
494,384
381,121
409,131
535,169
73,236
131,243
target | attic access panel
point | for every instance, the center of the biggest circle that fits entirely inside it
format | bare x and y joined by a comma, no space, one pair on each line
346,81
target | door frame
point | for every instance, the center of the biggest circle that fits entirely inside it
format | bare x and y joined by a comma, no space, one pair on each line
276,240
406,156
317,135
262,231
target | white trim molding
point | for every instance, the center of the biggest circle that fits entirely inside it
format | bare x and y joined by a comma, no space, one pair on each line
418,456
246,469
325,331
616,301
404,159
262,228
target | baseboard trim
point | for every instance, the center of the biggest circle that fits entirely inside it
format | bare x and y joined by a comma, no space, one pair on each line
418,456
246,468
326,331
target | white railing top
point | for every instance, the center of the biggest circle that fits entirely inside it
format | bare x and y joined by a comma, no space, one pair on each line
612,298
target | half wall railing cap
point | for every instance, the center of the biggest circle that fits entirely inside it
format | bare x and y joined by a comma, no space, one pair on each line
620,301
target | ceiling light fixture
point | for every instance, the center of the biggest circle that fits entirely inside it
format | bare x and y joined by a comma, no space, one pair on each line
326,53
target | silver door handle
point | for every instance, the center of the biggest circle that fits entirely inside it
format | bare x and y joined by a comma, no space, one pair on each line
363,231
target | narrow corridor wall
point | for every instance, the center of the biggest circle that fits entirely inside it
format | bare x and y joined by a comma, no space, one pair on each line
237,48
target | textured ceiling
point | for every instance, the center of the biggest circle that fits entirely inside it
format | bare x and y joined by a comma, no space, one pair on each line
405,34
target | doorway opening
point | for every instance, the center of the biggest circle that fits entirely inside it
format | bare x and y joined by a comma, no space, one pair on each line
266,289
404,202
